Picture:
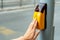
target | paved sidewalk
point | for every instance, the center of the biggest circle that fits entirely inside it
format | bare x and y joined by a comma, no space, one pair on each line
16,8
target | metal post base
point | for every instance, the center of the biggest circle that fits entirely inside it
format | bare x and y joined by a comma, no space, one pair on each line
48,34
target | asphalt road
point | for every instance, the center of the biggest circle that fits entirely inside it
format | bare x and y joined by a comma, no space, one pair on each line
14,23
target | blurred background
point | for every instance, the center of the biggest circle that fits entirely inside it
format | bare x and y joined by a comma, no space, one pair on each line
16,15
16,3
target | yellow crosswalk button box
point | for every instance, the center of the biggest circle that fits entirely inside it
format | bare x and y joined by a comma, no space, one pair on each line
40,14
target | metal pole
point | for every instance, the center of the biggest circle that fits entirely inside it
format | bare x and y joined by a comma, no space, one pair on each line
34,2
21,2
48,34
1,4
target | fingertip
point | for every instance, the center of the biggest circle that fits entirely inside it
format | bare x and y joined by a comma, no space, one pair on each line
37,30
34,19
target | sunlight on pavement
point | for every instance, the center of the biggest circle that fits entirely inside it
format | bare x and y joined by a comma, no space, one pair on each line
6,31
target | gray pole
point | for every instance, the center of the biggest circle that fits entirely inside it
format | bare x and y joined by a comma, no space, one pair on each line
34,2
48,34
1,4
21,2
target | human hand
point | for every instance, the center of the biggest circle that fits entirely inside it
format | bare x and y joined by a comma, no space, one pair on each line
31,33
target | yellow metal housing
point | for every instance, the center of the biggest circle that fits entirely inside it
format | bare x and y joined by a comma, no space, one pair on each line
40,17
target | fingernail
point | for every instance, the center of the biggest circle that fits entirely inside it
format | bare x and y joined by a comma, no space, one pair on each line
34,21
37,30
34,18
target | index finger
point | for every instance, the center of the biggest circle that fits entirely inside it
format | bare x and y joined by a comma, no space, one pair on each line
33,24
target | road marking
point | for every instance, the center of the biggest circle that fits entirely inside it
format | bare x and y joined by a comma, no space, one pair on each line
6,31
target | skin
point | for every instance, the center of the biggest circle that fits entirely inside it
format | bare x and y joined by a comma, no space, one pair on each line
31,33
